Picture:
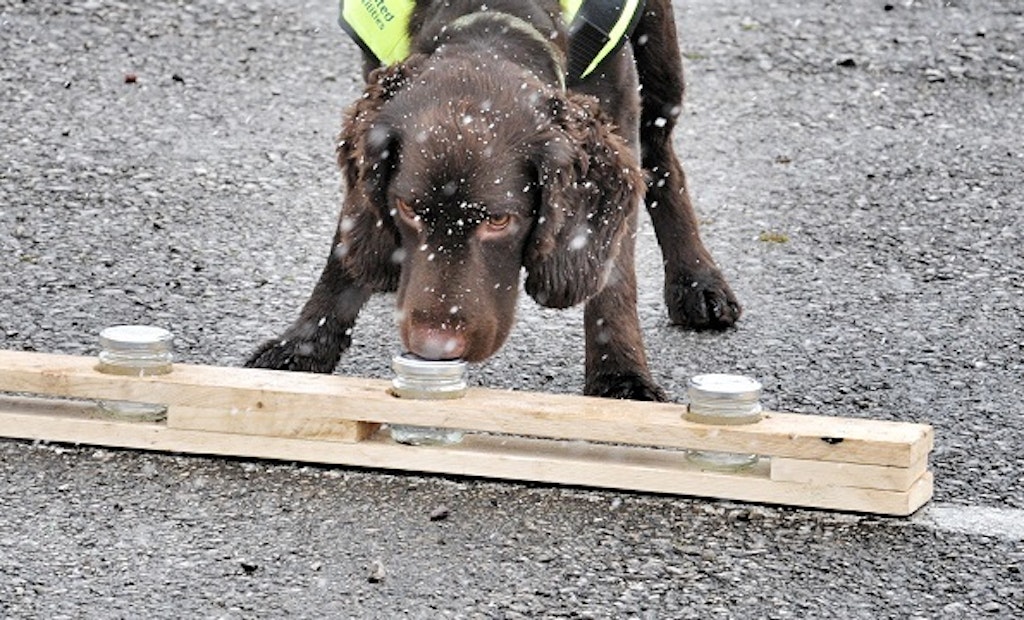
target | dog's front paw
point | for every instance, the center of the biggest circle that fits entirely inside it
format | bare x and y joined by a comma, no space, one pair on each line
315,355
625,386
701,300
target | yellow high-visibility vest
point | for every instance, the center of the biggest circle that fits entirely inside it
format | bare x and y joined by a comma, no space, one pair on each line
596,28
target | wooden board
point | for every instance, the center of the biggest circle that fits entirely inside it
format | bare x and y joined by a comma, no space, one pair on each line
825,473
815,461
299,425
320,399
510,458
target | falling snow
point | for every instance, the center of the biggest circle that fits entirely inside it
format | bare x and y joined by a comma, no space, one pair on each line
579,241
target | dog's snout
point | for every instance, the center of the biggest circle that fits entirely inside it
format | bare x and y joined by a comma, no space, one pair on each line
436,343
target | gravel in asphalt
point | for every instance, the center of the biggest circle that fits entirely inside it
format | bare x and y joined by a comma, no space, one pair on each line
857,168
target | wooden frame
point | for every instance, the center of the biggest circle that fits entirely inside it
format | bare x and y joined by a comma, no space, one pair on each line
814,461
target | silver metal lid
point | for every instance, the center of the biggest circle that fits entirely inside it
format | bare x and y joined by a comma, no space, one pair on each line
724,387
136,338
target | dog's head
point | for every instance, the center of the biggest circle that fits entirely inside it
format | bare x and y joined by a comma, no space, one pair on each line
457,179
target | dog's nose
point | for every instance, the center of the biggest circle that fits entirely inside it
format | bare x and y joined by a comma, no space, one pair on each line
432,343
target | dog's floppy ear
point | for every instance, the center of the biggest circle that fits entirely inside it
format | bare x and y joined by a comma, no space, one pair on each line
589,185
367,151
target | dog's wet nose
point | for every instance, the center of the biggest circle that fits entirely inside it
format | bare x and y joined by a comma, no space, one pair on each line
432,343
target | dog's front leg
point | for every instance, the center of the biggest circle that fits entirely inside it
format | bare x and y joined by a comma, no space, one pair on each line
696,292
616,364
323,331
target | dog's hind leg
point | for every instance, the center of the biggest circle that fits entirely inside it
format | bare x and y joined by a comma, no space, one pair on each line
696,293
323,331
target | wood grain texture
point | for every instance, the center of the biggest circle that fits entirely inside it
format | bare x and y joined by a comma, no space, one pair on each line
321,400
825,473
511,458
813,461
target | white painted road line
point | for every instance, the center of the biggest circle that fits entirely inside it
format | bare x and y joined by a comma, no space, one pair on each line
1004,523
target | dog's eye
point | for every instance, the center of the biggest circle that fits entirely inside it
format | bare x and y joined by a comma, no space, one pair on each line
498,221
407,212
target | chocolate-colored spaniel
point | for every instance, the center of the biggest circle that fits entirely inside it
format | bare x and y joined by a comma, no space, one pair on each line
475,158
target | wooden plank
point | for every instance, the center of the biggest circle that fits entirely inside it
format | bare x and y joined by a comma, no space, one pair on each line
298,425
223,390
825,473
541,460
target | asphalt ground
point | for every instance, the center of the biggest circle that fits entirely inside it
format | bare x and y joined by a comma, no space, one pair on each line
857,168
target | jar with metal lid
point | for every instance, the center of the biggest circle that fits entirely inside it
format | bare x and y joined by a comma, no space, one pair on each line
723,399
421,379
140,351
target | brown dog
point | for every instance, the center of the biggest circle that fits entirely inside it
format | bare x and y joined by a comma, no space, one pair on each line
473,159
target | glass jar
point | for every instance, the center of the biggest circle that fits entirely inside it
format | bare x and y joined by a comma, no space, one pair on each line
138,351
421,379
724,400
